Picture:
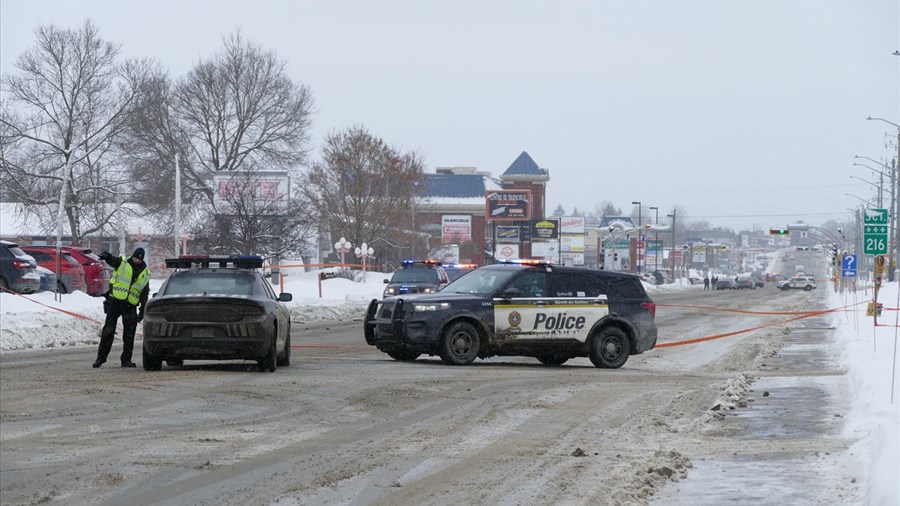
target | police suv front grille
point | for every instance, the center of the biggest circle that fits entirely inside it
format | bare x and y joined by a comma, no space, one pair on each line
391,310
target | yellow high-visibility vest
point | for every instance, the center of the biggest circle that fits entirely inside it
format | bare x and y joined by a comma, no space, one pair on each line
122,288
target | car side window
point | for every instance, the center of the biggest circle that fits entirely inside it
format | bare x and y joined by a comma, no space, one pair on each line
530,284
270,292
570,284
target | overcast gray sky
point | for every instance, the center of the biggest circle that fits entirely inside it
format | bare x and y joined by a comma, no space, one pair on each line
742,113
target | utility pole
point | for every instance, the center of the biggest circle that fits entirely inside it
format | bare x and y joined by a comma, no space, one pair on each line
177,208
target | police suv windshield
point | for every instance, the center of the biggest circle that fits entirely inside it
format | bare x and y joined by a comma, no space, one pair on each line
415,275
481,281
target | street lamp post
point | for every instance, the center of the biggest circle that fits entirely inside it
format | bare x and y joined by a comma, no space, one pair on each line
342,247
895,229
640,238
672,254
878,186
893,234
364,252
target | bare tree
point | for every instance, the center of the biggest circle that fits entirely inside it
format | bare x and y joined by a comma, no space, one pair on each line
64,109
241,111
364,189
236,112
254,217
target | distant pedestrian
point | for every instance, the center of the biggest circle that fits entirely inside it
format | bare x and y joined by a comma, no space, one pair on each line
706,283
129,287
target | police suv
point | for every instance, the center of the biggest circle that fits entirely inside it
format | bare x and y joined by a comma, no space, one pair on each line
520,308
416,276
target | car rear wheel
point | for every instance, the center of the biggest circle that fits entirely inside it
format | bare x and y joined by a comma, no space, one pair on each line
269,361
553,359
151,362
61,287
807,288
285,359
460,344
611,348
403,355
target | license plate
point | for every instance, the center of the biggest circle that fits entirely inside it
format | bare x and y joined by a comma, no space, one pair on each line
202,332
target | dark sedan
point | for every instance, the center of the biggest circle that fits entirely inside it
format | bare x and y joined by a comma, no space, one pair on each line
17,270
217,308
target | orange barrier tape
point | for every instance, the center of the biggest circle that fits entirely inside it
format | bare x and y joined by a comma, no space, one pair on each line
744,311
728,334
61,310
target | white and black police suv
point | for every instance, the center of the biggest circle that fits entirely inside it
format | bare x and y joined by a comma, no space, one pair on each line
523,308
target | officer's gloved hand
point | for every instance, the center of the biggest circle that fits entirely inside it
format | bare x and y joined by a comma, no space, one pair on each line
106,255
140,316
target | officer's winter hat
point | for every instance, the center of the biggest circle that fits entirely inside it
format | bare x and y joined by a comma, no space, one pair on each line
139,253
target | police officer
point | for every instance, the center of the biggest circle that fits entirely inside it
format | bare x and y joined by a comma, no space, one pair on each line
129,287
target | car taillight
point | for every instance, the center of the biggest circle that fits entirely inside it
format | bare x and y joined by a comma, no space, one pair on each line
649,306
19,264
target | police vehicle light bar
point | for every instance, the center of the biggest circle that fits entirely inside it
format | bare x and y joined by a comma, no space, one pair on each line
430,261
524,261
203,261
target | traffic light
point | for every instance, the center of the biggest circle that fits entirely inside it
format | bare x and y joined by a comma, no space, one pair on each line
779,231
834,254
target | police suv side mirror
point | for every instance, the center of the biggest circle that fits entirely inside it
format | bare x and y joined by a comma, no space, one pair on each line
285,297
386,281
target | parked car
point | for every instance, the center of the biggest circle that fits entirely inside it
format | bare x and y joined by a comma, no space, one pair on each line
48,279
217,308
726,284
69,273
17,269
96,271
798,283
649,278
524,308
745,281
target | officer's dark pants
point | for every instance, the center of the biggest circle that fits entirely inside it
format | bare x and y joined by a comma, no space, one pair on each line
129,325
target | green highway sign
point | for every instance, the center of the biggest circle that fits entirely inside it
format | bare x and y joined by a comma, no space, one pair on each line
875,231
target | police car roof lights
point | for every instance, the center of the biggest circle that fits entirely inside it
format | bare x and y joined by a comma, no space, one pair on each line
524,261
205,262
411,263
461,266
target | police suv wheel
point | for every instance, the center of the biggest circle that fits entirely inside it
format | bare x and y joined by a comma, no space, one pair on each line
553,359
610,349
460,344
403,355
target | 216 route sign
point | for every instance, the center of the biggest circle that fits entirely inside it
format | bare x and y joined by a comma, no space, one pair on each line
875,231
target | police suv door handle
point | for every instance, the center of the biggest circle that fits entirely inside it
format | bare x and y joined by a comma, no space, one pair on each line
540,303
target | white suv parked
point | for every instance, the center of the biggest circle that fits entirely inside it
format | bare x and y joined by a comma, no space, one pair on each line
798,282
